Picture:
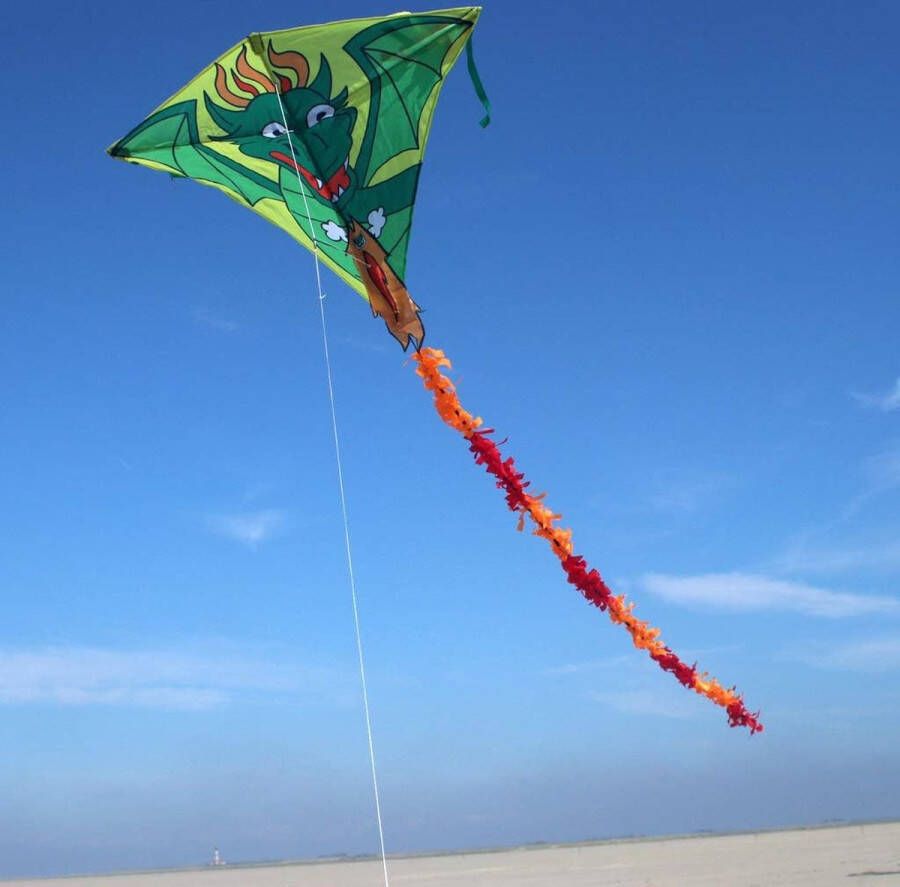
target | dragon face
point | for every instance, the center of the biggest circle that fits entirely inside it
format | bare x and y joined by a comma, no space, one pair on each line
316,142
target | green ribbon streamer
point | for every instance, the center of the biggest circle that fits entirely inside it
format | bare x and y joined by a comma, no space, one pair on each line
477,84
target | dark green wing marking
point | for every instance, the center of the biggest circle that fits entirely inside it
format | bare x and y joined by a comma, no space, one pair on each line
403,60
171,139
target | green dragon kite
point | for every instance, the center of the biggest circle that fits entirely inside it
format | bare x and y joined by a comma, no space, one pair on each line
322,131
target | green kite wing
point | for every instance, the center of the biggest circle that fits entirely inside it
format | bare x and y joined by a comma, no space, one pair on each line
317,129
168,140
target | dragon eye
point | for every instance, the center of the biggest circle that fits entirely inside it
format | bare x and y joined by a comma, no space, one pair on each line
273,130
318,113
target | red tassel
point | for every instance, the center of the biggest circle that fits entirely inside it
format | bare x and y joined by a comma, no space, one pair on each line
588,581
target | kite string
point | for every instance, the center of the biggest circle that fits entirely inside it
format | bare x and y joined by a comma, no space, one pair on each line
340,473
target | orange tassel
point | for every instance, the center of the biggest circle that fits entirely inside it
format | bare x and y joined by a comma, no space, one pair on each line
430,362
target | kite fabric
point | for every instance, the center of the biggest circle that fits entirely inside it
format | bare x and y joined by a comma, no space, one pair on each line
588,581
322,131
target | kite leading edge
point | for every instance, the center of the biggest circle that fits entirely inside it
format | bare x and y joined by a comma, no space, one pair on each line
322,131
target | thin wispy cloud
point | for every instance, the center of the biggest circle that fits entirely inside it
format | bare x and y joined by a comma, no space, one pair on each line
877,654
883,469
690,494
250,527
645,702
214,321
882,475
359,344
571,668
750,593
802,557
886,402
165,679
826,546
256,491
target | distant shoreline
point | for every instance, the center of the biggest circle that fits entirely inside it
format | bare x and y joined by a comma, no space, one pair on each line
440,854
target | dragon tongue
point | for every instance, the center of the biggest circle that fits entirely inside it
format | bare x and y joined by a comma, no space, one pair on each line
314,181
330,190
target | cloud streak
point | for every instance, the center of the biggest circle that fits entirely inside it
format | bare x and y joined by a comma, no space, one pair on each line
827,547
688,495
886,403
751,593
883,469
162,679
883,555
570,668
249,528
207,318
644,702
876,654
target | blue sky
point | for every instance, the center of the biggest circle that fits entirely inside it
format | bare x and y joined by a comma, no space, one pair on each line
668,272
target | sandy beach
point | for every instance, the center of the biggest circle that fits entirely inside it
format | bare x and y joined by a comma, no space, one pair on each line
867,854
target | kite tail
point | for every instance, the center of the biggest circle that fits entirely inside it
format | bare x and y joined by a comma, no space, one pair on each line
579,573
